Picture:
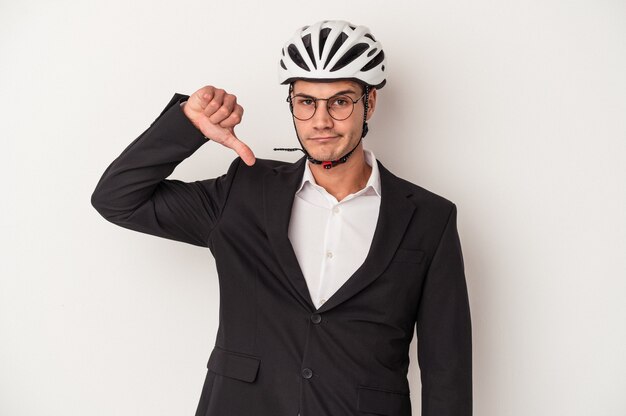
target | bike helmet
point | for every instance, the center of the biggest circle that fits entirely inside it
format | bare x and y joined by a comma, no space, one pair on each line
333,50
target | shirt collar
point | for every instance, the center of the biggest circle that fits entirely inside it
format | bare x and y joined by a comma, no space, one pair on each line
372,187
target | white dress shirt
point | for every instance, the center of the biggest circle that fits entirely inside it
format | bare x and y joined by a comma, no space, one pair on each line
331,238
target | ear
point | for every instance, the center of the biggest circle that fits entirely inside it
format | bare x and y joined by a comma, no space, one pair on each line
371,103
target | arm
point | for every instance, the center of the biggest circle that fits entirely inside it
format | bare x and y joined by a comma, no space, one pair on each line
444,331
133,192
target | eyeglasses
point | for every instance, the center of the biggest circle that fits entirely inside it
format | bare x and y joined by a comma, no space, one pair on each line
340,107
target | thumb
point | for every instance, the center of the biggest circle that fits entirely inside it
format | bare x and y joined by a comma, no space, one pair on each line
241,149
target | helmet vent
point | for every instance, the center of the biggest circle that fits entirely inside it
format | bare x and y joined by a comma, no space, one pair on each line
352,53
338,42
323,36
309,49
282,64
369,35
375,61
296,57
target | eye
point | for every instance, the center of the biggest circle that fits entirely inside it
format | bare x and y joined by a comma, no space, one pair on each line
304,101
340,102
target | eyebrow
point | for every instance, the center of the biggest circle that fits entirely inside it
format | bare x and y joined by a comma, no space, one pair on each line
337,93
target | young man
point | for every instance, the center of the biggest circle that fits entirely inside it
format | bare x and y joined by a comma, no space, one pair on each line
326,265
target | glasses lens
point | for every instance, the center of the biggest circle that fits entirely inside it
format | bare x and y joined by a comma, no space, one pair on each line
340,107
303,108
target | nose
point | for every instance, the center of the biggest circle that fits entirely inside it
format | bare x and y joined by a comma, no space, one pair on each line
322,119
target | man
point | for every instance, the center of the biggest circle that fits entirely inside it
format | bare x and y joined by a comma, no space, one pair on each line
325,265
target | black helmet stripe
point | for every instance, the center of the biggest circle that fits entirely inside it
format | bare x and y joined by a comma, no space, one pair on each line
323,36
309,49
338,42
296,57
350,55
375,61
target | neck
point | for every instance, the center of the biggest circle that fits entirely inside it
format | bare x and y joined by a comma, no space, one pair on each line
346,178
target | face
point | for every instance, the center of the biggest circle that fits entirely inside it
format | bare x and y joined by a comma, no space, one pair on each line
323,137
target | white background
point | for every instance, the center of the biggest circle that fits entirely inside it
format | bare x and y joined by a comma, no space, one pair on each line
514,110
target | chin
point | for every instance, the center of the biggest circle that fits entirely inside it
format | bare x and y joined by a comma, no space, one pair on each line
325,152
325,155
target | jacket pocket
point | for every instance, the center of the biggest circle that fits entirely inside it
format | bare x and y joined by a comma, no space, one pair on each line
233,364
409,255
383,402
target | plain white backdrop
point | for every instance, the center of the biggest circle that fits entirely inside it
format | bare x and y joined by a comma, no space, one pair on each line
514,110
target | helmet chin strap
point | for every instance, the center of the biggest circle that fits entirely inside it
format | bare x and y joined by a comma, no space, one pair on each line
327,164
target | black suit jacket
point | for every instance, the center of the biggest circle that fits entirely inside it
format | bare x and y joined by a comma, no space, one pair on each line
275,354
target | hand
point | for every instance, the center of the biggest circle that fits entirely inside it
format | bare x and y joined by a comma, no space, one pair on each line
216,113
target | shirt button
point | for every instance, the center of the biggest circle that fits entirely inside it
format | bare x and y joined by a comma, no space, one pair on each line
336,210
322,300
329,254
316,318
307,373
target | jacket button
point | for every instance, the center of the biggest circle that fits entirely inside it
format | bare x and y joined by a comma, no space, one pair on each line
316,318
307,373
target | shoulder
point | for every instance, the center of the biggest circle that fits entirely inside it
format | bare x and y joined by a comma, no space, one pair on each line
262,167
270,164
419,195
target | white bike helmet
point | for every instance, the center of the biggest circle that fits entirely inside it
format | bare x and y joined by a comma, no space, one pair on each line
333,50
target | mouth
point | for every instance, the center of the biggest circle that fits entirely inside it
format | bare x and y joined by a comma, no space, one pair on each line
322,139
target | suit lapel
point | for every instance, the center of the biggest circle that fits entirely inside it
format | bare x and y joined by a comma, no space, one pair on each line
279,189
396,210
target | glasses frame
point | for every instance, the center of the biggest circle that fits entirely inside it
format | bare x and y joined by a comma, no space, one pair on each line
315,100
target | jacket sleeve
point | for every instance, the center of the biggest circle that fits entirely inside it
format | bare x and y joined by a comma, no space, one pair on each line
133,192
444,331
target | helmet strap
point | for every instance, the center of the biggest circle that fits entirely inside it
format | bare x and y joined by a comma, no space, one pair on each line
366,103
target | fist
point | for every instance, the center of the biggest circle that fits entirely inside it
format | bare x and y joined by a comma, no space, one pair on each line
216,113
